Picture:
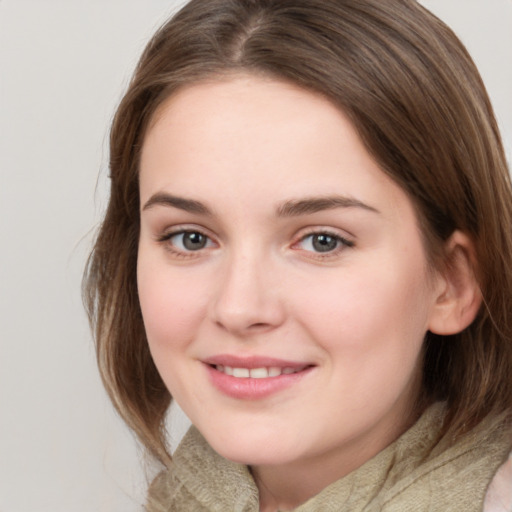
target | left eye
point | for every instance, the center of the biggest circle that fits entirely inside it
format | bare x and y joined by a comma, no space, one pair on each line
190,241
322,242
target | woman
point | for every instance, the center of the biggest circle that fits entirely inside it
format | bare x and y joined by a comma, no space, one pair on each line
307,246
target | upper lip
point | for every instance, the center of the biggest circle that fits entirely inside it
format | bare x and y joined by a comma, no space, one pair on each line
251,362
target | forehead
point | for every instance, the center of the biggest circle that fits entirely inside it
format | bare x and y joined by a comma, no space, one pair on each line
242,106
247,135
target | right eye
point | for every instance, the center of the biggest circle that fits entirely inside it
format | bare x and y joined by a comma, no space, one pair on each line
187,241
322,242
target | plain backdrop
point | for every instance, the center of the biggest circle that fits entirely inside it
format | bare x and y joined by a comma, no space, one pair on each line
63,67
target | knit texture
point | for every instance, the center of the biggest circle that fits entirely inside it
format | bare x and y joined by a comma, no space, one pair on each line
414,474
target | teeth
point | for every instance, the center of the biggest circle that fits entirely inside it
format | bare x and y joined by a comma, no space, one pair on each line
256,373
274,371
241,372
259,373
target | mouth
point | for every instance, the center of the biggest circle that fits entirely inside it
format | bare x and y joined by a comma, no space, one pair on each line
258,373
254,378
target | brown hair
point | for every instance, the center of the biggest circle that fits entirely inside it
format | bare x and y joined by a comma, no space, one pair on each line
418,103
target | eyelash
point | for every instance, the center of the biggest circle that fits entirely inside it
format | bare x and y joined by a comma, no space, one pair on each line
341,242
166,239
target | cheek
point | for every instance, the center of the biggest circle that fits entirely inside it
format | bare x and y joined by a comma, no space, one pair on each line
371,329
172,305
380,308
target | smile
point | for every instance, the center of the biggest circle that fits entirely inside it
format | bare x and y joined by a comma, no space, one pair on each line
254,378
257,373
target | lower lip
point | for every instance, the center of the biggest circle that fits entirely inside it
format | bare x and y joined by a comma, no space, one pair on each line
253,389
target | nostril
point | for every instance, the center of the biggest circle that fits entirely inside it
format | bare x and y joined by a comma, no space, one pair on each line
239,312
258,325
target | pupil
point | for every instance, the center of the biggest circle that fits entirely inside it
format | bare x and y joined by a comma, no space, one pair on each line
194,241
324,243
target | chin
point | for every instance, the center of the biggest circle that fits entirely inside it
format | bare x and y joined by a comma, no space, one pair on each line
251,450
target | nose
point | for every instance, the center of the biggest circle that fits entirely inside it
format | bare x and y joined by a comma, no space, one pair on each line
248,298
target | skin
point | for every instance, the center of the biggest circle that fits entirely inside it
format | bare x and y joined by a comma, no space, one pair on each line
243,150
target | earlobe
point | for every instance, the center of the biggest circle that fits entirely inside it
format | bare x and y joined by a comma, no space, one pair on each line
459,298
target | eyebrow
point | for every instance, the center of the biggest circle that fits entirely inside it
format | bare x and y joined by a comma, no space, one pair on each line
188,205
311,205
290,208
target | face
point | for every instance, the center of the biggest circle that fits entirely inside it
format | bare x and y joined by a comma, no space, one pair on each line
281,274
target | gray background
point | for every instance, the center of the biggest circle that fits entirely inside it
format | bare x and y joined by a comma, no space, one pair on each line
63,67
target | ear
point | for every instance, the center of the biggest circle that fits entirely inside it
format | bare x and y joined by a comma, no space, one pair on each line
458,296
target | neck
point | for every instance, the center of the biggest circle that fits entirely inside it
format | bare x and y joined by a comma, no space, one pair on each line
286,486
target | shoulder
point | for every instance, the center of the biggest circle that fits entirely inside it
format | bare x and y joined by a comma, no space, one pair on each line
201,480
499,493
169,490
457,475
167,493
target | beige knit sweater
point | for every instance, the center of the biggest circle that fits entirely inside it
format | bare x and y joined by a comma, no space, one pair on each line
413,474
